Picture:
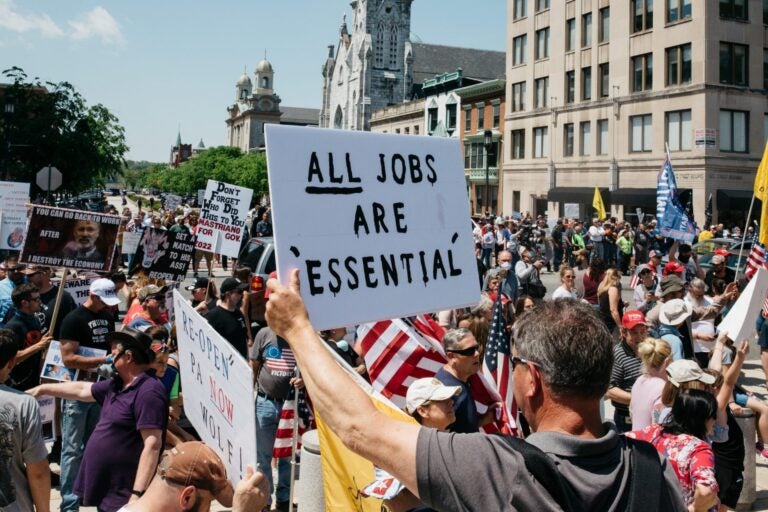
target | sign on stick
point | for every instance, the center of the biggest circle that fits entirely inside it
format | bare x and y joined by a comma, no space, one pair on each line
376,223
164,254
218,390
13,207
221,226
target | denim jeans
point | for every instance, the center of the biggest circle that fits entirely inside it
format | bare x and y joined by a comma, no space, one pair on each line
78,419
267,418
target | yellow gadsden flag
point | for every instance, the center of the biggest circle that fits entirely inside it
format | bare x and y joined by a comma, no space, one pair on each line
761,192
597,204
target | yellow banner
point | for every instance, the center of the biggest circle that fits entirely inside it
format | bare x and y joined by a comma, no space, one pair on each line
597,204
761,180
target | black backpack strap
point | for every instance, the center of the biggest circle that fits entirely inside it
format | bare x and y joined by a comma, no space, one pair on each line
543,470
647,486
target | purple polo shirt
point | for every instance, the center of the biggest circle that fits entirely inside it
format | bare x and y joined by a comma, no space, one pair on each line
112,453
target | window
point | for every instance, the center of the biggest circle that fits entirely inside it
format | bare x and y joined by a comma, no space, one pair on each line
765,69
518,49
733,9
585,138
393,47
604,31
734,131
467,154
397,131
476,156
570,86
586,83
518,144
541,5
679,65
497,110
568,139
480,117
416,130
586,30
642,15
679,130
605,89
407,130
542,43
540,142
642,72
432,118
378,47
450,116
467,120
519,9
541,92
602,136
678,10
570,35
518,96
641,133
733,64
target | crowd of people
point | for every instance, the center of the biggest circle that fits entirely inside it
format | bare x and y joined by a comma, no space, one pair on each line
671,378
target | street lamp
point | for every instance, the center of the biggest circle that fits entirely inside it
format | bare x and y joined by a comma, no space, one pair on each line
8,112
487,142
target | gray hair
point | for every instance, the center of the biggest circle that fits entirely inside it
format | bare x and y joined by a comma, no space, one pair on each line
483,306
698,283
570,345
453,337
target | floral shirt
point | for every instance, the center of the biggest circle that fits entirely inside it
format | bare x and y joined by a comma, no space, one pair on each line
691,458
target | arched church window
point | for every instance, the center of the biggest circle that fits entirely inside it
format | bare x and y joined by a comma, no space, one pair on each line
265,82
378,47
338,119
393,47
243,94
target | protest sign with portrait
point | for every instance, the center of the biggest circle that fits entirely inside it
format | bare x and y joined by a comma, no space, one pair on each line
164,254
14,197
57,237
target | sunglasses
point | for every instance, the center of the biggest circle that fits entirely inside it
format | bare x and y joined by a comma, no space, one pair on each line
469,351
519,360
160,349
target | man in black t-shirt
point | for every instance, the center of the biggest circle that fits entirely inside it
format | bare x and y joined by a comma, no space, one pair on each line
41,277
86,326
227,319
26,327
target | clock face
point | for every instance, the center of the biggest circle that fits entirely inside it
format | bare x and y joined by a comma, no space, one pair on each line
265,104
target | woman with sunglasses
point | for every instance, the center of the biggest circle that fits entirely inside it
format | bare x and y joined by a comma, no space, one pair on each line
645,290
567,290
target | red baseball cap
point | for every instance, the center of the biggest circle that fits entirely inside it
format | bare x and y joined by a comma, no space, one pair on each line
633,318
672,267
722,252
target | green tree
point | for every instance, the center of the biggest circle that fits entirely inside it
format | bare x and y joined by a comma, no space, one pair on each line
52,124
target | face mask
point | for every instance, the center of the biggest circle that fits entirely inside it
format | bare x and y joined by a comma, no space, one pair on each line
505,265
342,345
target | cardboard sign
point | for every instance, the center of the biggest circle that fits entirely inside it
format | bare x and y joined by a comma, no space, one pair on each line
54,369
164,254
376,223
13,198
218,390
740,320
131,241
172,201
79,289
70,238
222,220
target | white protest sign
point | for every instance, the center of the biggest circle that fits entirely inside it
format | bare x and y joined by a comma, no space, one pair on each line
172,201
740,320
79,289
376,223
222,220
130,242
218,390
13,198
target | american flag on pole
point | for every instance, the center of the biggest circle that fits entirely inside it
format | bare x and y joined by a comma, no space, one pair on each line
496,364
295,408
755,260
399,351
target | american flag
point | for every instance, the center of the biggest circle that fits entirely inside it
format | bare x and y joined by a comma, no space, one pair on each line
755,260
399,351
496,364
295,405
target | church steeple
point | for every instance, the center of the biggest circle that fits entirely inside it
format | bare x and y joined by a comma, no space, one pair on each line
264,77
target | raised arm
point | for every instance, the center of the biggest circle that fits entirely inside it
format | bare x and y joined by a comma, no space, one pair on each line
80,391
388,443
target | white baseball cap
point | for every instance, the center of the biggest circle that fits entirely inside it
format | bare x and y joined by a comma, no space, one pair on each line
105,290
428,390
685,370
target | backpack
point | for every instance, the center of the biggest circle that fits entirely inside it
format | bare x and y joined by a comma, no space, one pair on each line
647,488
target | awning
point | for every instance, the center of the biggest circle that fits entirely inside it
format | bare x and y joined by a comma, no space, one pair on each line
635,197
734,199
581,195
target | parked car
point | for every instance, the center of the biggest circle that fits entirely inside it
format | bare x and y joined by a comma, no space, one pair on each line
705,250
259,255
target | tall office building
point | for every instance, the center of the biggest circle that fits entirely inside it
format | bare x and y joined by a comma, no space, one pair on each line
597,89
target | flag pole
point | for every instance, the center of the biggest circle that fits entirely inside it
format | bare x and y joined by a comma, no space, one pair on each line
743,238
294,444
